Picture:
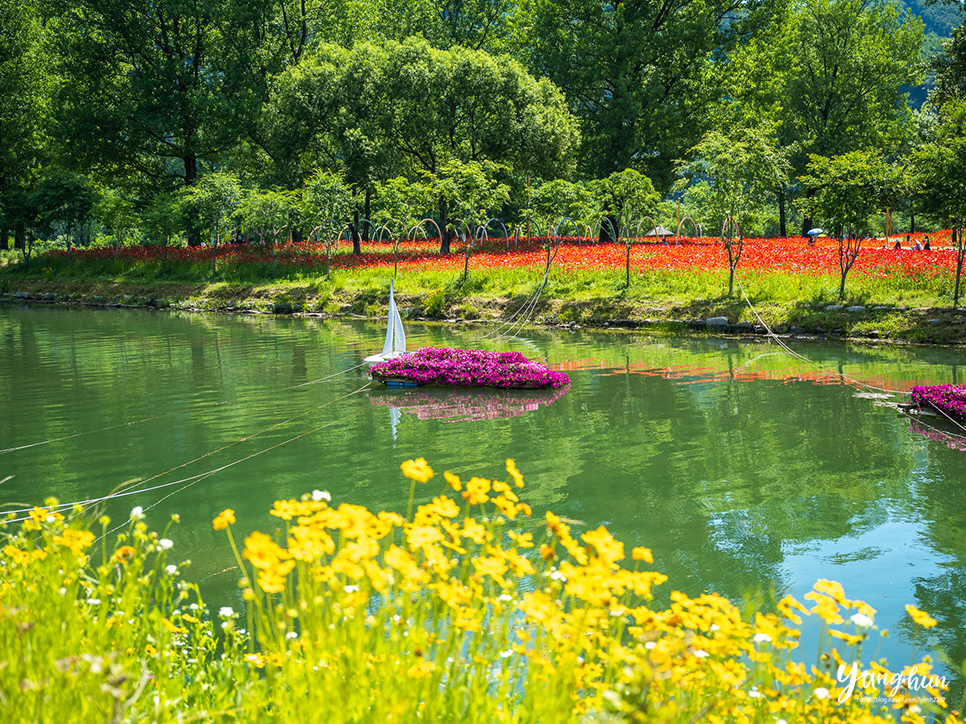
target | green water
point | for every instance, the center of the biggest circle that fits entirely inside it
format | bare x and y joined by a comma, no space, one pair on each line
743,468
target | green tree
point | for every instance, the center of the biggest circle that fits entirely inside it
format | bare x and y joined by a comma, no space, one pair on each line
153,91
326,202
213,202
950,69
556,200
624,198
117,214
408,109
25,83
939,178
163,220
64,202
636,74
831,75
401,203
743,169
268,213
848,190
472,190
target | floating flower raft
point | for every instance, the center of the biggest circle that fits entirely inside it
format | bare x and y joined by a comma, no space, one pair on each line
445,367
945,399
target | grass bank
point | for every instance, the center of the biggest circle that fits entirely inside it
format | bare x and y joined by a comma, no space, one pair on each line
883,301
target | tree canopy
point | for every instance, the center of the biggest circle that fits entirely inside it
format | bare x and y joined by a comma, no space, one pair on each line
557,97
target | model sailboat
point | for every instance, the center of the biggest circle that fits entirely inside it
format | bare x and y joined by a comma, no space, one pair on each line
395,344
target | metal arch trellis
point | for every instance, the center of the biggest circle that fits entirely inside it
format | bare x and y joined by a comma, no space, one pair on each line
411,236
483,228
697,229
599,224
385,228
527,222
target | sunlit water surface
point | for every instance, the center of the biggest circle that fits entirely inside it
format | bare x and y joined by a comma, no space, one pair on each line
747,471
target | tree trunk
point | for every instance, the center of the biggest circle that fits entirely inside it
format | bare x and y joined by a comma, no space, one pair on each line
356,244
608,228
782,219
445,238
20,236
367,211
194,216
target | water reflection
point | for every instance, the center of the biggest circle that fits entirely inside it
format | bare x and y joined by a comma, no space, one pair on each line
464,405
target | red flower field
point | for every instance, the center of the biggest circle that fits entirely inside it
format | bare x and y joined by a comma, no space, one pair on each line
790,254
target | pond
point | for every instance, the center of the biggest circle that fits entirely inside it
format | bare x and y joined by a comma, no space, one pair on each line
749,471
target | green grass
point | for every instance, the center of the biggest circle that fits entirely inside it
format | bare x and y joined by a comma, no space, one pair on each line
581,296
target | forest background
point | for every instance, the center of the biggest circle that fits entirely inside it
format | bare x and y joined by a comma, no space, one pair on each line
129,123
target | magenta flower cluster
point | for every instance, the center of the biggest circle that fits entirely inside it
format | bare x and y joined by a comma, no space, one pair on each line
445,367
950,399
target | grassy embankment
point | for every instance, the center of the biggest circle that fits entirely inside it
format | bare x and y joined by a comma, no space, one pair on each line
588,289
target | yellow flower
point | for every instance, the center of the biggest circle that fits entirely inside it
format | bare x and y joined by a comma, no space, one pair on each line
920,617
476,491
514,473
453,480
524,540
500,487
262,551
42,515
824,607
788,605
20,558
492,567
518,564
506,506
173,628
402,561
833,589
642,554
76,540
273,580
255,659
422,535
475,532
420,669
417,470
224,518
850,639
608,549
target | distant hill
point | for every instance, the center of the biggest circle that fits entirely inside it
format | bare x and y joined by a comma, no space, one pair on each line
940,20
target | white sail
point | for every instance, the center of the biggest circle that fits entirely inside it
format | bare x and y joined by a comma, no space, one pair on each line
395,344
388,345
398,335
